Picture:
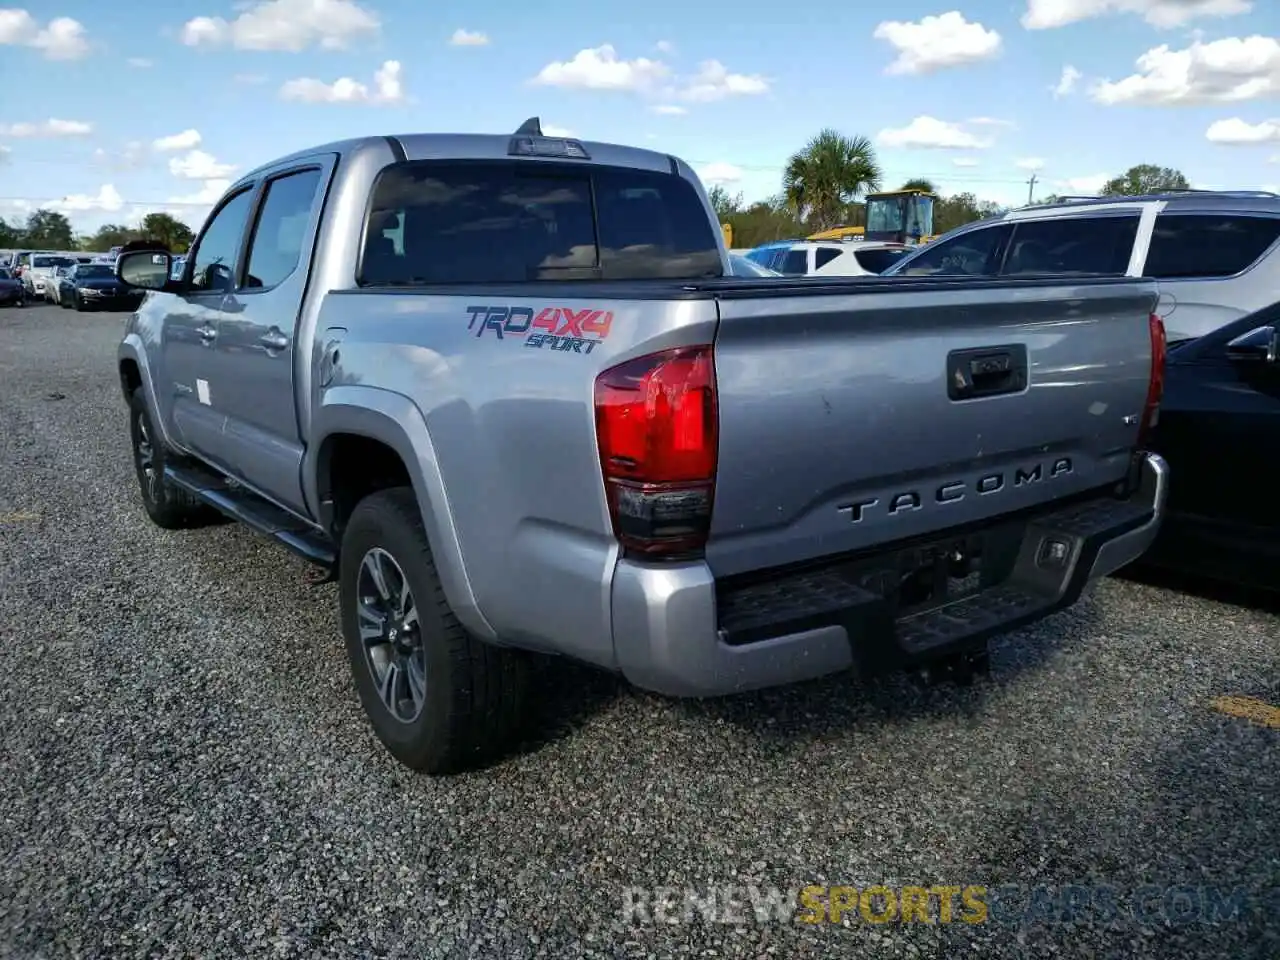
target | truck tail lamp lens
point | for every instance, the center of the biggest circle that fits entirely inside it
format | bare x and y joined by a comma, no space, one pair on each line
656,426
1155,385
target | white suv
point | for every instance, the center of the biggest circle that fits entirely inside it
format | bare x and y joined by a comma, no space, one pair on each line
836,258
1215,253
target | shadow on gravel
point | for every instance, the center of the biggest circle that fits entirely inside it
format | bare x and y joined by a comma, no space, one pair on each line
1217,590
1180,859
842,703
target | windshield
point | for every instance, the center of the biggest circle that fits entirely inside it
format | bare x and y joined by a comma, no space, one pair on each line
884,215
94,271
46,262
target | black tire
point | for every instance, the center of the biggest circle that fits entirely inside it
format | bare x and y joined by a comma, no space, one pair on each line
64,303
473,693
78,304
168,506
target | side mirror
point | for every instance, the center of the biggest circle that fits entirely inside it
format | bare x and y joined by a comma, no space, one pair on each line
1260,345
144,269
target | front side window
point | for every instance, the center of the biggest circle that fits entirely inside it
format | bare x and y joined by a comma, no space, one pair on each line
824,255
972,254
1072,245
792,263
878,261
514,222
219,245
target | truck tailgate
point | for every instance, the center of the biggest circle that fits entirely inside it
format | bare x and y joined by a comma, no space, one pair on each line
854,419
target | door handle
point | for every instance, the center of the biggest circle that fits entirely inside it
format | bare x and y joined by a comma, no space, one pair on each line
274,340
207,333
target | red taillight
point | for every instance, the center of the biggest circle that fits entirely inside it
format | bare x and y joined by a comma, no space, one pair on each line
656,426
1155,386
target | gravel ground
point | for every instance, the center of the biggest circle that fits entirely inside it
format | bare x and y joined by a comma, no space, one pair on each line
186,771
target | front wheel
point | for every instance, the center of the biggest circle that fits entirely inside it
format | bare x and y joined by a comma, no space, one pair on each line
439,699
167,505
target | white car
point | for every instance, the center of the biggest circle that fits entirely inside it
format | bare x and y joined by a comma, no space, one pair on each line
829,258
53,288
38,276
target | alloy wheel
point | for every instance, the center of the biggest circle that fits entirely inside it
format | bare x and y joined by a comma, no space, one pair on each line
391,635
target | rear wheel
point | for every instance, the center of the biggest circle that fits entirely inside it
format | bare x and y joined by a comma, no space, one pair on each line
439,699
167,505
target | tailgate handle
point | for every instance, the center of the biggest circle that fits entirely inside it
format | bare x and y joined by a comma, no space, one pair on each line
986,371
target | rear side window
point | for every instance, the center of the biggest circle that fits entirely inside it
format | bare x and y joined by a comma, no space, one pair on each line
512,222
792,263
824,255
1208,245
878,261
1071,245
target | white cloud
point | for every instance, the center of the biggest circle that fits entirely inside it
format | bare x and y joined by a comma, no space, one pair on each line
665,46
60,39
1067,82
186,140
963,162
714,81
107,199
387,88
198,165
551,130
598,68
46,129
468,38
929,133
990,122
208,194
1236,132
669,110
1223,71
1085,185
291,25
1030,164
936,42
140,62
719,173
1049,14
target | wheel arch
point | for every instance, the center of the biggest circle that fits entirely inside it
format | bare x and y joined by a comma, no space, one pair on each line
365,439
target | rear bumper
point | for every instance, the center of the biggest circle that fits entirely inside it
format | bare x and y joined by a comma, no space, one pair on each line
676,631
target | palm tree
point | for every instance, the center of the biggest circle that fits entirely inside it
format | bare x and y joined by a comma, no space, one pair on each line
919,183
827,175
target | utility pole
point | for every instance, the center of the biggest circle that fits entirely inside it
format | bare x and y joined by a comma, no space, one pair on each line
1031,189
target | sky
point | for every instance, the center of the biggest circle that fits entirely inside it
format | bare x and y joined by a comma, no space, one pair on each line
115,111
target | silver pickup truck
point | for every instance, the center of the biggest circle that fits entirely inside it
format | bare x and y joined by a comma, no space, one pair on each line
505,389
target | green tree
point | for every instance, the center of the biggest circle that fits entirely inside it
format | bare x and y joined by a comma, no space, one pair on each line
111,235
170,231
1145,178
956,211
764,221
919,183
50,230
724,205
831,172
10,235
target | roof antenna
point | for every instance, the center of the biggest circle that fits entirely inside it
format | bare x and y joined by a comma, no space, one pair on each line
530,128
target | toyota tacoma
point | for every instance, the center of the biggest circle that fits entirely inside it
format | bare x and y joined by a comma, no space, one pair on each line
507,391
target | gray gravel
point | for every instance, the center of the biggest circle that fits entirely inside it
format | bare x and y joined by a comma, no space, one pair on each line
185,770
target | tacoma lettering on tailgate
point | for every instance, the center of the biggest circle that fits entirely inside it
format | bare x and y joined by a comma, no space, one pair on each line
552,328
954,491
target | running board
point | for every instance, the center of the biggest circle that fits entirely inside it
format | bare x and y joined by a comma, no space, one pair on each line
250,509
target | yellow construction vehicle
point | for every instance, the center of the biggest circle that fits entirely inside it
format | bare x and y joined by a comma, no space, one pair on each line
899,216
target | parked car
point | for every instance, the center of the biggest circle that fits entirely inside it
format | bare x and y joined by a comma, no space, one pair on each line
511,425
1215,253
11,291
799,258
94,286
37,277
1219,429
